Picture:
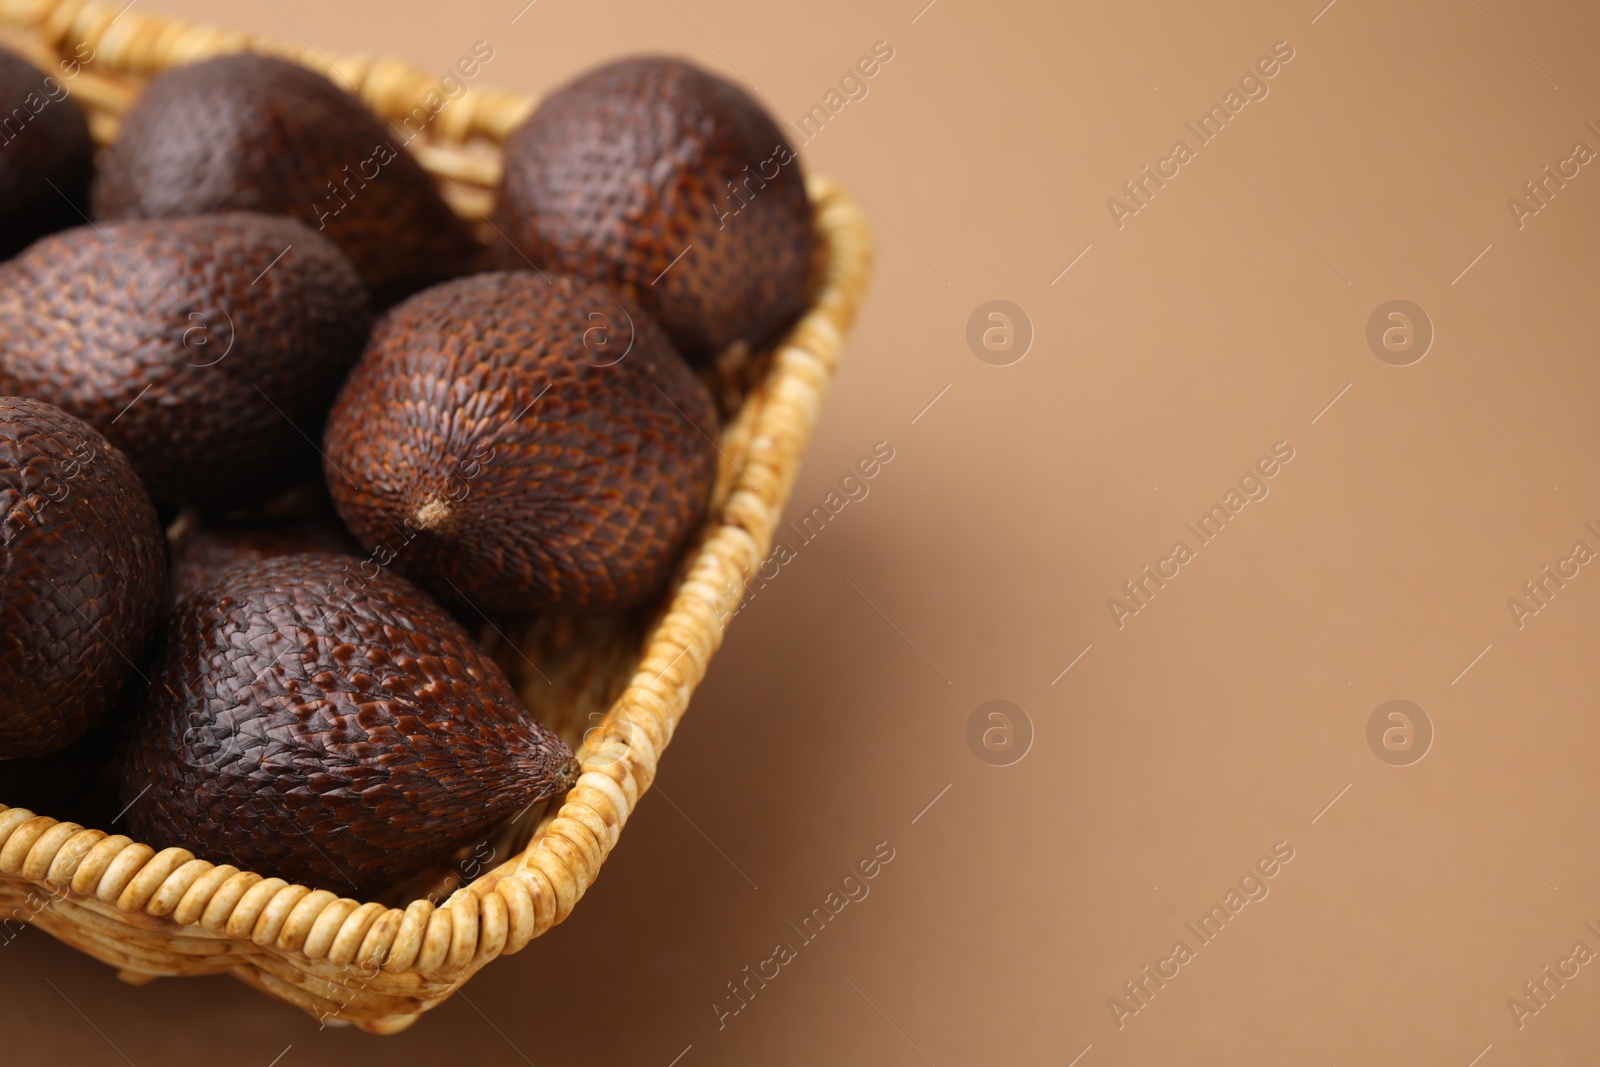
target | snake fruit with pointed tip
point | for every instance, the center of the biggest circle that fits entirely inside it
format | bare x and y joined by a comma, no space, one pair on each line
522,442
305,721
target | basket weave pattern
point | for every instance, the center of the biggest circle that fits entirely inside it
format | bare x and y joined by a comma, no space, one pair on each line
155,912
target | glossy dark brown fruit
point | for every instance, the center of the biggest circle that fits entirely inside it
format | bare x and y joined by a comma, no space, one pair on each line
201,549
46,155
206,348
516,444
256,133
635,164
82,572
331,731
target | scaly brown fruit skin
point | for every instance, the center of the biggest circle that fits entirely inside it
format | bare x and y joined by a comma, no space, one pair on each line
329,730
497,444
618,173
256,133
82,573
46,155
190,343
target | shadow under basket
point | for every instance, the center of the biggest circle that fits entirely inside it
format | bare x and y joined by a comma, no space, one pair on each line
614,688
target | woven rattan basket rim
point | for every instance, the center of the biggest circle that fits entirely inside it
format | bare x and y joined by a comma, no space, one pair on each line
103,887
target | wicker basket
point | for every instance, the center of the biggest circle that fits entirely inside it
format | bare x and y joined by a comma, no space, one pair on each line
616,688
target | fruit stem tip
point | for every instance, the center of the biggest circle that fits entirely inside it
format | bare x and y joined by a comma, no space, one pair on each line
568,773
434,516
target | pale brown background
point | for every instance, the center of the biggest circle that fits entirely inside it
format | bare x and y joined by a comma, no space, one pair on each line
1225,717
